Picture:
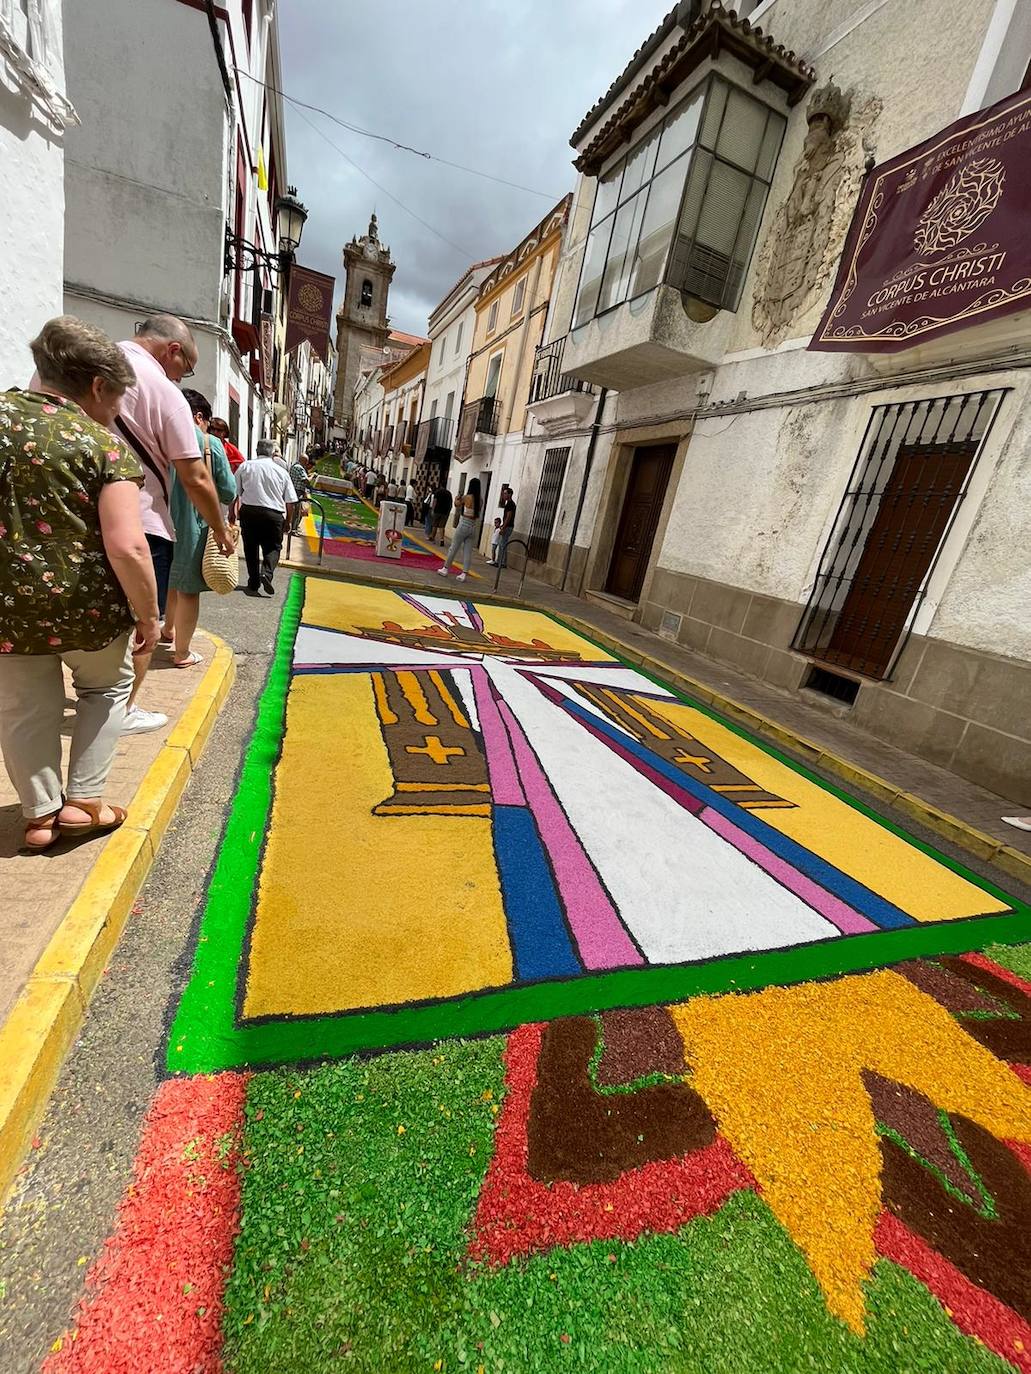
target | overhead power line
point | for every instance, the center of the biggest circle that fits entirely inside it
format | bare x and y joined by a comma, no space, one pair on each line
469,257
393,142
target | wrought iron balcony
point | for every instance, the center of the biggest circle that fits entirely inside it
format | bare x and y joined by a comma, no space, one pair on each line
548,378
433,439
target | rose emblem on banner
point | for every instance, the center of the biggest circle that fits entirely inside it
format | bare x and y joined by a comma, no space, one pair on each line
309,298
962,206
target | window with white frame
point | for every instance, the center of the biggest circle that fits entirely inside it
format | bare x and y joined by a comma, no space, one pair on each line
29,51
458,337
492,317
518,296
683,206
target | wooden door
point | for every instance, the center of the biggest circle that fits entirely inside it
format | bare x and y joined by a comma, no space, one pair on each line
913,514
642,505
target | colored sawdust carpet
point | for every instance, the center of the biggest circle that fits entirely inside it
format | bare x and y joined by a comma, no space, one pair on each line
830,1176
745,1096
350,532
514,825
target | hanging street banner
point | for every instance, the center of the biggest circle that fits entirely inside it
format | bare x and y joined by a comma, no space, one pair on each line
309,309
939,240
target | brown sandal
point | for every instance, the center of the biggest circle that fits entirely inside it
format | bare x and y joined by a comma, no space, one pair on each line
40,823
94,826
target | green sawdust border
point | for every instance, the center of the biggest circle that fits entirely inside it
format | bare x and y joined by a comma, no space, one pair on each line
206,1035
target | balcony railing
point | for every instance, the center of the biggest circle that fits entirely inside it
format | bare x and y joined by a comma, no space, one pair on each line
478,417
548,378
433,437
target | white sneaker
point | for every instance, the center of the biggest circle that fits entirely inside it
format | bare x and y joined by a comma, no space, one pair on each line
1021,822
460,577
442,572
139,722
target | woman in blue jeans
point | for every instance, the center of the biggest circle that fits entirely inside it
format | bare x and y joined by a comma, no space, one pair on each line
465,531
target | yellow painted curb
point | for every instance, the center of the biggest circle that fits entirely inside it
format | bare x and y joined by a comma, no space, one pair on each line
47,1013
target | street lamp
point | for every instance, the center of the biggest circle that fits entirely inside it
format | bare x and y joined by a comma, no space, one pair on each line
245,256
290,217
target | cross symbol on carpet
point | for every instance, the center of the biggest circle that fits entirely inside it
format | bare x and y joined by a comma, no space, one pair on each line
435,749
700,761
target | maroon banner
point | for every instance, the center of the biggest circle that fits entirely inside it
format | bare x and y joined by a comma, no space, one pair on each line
939,240
267,338
309,309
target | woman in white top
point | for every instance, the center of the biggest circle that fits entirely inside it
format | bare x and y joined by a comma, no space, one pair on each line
468,520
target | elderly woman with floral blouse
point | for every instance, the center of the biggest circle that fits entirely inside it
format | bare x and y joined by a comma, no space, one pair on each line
77,585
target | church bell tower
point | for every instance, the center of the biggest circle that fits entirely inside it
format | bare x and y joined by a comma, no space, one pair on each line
362,318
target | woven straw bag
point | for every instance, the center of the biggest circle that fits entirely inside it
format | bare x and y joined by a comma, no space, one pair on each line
221,571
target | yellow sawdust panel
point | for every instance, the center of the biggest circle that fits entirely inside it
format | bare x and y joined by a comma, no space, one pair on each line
357,910
781,1071
526,626
916,883
348,607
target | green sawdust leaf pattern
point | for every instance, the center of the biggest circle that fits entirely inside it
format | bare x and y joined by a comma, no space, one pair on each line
987,1209
1017,958
353,1243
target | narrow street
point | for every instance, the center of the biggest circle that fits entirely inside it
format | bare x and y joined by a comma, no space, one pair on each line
486,776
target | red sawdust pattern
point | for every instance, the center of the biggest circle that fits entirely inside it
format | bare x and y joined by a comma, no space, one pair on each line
972,1309
991,1251
1007,975
517,1215
153,1299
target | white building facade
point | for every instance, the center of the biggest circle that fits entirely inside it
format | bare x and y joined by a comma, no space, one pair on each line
182,139
35,115
728,487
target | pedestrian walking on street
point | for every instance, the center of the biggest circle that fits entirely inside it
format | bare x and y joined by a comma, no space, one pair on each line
300,470
410,503
77,580
442,503
219,429
155,421
370,484
468,518
186,579
508,515
427,513
380,493
267,499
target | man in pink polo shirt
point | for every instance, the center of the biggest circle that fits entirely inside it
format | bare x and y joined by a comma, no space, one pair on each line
156,422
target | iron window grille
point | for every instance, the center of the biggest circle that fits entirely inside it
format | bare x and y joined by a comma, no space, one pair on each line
683,206
543,523
907,484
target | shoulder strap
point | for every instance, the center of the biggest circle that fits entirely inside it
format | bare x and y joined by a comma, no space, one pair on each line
206,452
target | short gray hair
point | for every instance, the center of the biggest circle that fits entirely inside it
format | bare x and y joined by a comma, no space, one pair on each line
70,354
166,327
265,448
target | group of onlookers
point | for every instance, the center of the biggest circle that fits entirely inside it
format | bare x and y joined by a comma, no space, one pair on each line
113,483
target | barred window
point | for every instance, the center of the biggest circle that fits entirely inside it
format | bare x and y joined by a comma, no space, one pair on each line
909,478
543,523
684,205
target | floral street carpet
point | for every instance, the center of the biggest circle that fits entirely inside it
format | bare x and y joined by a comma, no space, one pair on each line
540,1019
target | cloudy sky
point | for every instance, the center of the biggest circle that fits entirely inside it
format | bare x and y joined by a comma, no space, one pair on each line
498,85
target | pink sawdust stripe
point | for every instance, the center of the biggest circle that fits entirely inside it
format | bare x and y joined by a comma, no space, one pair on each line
600,935
153,1299
340,548
839,913
506,789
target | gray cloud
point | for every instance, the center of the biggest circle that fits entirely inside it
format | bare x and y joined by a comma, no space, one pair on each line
494,84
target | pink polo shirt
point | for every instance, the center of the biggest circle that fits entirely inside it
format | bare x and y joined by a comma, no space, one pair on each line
155,421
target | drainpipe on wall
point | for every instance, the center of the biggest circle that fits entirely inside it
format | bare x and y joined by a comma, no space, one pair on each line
588,461
220,56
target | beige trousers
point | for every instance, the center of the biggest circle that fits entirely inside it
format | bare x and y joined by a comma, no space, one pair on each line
32,712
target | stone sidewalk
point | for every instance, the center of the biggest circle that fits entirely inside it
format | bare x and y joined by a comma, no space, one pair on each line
36,890
799,722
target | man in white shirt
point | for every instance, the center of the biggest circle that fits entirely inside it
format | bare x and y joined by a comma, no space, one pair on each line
267,498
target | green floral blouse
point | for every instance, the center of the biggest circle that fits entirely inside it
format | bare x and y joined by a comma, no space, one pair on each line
57,589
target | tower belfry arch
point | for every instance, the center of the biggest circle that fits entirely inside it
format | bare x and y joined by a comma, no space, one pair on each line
362,320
